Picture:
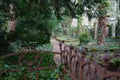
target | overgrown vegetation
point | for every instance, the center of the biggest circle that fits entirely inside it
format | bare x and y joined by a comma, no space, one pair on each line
84,38
35,20
46,59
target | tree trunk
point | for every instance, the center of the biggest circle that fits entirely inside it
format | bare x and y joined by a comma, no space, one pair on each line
12,22
64,29
113,30
96,31
102,32
118,29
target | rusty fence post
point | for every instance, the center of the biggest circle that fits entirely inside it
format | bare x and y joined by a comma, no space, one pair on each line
106,60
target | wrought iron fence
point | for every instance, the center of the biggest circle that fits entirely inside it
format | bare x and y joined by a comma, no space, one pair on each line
22,65
79,67
76,65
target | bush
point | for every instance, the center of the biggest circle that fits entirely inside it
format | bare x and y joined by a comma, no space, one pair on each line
84,38
45,60
4,45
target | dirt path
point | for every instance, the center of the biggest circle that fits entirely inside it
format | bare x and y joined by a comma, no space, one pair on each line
56,48
55,45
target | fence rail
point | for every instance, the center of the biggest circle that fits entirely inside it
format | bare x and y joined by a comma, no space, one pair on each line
79,67
33,64
76,65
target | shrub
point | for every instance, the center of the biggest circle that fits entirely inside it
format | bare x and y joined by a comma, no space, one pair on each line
4,45
84,38
45,60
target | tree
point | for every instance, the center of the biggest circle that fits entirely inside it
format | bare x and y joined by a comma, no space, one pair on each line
118,22
102,21
35,18
97,9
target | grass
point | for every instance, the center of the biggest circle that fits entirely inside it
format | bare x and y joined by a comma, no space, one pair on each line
69,40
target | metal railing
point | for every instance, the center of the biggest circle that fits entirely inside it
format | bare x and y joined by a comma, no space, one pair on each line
76,65
79,67
31,65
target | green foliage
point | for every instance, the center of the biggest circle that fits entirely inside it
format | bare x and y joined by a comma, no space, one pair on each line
16,46
57,31
33,32
34,23
36,30
46,59
84,38
36,19
116,61
110,45
45,47
4,45
92,8
117,28
56,73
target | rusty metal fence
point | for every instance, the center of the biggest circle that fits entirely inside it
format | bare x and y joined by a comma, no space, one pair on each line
79,67
76,65
25,65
